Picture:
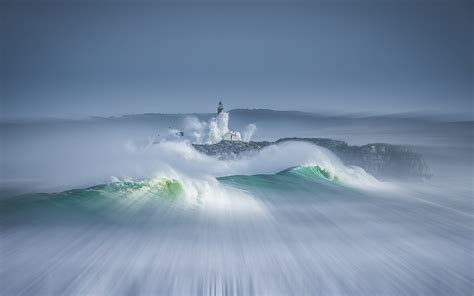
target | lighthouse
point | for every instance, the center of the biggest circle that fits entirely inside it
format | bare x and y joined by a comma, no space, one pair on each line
220,108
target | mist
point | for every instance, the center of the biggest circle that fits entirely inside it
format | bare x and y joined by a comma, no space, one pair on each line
85,202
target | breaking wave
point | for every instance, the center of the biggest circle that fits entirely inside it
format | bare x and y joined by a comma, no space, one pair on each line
210,132
180,161
126,200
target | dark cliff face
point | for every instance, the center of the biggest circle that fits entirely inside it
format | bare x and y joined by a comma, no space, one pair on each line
380,160
388,161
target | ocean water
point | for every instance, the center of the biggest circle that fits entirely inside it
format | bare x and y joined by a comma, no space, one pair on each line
99,211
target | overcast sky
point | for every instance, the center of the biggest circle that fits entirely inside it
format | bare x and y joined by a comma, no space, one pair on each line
74,58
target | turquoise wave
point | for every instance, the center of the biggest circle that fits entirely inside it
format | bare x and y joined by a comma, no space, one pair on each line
113,201
314,172
140,199
293,178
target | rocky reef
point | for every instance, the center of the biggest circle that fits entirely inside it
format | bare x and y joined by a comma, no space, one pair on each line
381,160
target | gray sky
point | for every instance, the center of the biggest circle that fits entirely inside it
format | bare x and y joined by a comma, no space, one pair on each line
74,58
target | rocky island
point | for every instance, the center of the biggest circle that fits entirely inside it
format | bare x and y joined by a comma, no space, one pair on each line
384,161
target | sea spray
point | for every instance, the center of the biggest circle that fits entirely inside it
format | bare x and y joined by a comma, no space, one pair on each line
249,131
210,132
178,159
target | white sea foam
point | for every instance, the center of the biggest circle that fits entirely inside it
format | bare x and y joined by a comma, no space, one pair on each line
269,240
210,132
178,159
249,131
80,164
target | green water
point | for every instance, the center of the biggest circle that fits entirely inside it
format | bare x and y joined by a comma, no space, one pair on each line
141,199
305,178
108,202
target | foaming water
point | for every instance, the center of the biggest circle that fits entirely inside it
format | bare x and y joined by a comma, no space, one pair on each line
213,131
126,217
178,159
294,232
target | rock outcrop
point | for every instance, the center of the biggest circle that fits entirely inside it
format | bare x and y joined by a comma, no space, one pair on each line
381,160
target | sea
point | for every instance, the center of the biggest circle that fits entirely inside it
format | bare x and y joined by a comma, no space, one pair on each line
126,206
